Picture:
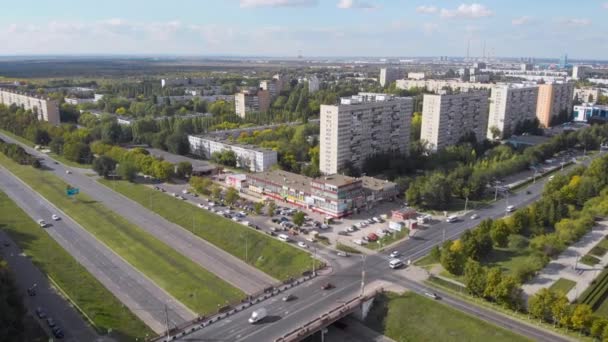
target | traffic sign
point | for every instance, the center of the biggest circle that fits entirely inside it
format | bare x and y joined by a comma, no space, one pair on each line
72,191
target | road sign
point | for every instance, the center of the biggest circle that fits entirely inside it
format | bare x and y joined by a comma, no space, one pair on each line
72,191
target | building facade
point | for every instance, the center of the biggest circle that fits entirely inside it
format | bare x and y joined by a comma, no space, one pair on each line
251,101
553,99
590,112
388,76
447,118
248,157
586,94
579,72
436,86
511,104
313,84
362,126
44,108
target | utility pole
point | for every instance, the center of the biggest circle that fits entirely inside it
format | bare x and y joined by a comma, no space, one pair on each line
314,272
362,274
167,322
495,192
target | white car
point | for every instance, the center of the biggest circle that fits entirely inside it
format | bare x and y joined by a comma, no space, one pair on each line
41,223
395,254
474,217
200,205
302,244
185,191
55,217
68,172
510,208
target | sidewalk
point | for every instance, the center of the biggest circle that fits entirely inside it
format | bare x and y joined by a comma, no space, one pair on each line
564,265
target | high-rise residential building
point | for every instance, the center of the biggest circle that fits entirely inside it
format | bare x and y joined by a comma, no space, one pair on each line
361,126
313,84
553,100
579,72
511,104
44,108
563,61
248,101
389,75
446,118
526,67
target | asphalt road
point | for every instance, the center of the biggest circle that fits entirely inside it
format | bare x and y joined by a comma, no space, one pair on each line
312,301
223,264
143,297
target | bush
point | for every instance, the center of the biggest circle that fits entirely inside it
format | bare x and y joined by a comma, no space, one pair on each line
517,242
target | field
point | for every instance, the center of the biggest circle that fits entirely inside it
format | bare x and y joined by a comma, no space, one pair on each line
563,285
411,317
90,295
195,287
278,259
507,259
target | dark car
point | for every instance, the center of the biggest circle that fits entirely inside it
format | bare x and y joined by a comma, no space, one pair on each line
40,313
289,298
31,291
51,322
327,286
58,332
6,244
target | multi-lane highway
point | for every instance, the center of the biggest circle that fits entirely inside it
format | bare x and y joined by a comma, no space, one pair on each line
223,264
143,297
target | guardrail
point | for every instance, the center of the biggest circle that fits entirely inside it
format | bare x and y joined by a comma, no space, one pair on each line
229,310
326,318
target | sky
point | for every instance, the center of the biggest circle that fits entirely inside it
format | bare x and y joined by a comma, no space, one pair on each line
312,28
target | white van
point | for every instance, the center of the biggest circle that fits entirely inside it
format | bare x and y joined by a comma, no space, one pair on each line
395,263
510,208
283,237
452,218
257,315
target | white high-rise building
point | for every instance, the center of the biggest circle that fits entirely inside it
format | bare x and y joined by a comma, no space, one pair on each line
510,104
447,118
389,75
361,126
313,84
579,72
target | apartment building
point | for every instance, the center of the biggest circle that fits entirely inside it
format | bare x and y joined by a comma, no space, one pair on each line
313,84
436,86
249,157
587,94
553,99
447,118
510,104
44,108
248,101
579,72
389,75
416,75
361,126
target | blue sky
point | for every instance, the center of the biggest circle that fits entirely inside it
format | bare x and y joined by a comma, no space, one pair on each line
539,28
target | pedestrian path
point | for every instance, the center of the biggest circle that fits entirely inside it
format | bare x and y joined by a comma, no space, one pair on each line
568,265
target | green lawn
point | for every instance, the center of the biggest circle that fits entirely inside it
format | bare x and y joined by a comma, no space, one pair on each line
589,260
197,288
347,249
387,240
278,259
563,285
411,317
426,261
18,138
67,162
90,295
507,259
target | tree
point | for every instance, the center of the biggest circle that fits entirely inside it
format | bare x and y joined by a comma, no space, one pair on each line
258,207
561,310
177,143
598,326
111,132
163,170
298,219
216,192
12,308
500,233
540,304
581,317
475,277
104,166
493,279
416,126
232,195
271,208
508,292
127,170
184,169
77,152
452,257
201,185
435,253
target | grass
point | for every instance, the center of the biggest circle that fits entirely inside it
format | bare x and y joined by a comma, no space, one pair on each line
595,295
387,239
589,260
65,161
507,259
598,251
426,261
18,138
347,249
278,259
195,287
411,317
448,284
562,284
105,310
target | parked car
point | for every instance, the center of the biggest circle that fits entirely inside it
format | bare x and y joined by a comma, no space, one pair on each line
57,332
342,254
327,286
51,322
302,244
40,313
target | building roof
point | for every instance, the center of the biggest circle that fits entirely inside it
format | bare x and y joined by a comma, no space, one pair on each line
530,140
337,180
376,184
288,179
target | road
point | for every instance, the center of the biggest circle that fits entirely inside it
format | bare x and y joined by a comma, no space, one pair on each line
143,297
313,302
221,263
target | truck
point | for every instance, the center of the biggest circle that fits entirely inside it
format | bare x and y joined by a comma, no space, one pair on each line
257,315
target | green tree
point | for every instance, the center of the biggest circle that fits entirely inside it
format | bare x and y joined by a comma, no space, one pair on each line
77,152
540,304
232,195
216,192
258,207
561,310
508,292
12,308
500,233
435,253
127,170
111,132
184,169
493,279
581,317
201,185
298,219
452,259
271,208
416,126
598,326
475,277
104,166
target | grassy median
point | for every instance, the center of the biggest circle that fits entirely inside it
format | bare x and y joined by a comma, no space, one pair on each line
276,258
412,317
88,293
197,288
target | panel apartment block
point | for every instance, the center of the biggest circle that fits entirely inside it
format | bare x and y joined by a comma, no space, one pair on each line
44,108
511,104
446,118
362,126
553,98
249,157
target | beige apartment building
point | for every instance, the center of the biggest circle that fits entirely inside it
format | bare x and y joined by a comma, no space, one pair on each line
44,108
248,101
509,105
554,98
361,126
447,118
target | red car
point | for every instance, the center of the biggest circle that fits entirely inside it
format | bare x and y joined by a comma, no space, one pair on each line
372,237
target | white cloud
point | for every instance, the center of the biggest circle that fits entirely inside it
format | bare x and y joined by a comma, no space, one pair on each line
576,22
349,4
521,21
427,9
277,3
468,11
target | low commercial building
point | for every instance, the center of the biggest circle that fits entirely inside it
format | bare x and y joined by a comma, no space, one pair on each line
590,112
510,104
249,157
377,190
44,108
237,181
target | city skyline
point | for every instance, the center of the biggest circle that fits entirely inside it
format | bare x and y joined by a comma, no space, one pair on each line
308,27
